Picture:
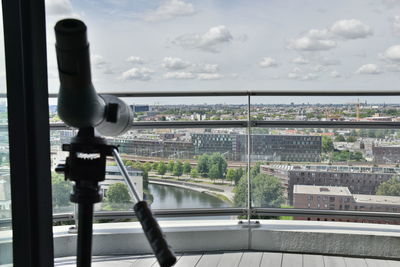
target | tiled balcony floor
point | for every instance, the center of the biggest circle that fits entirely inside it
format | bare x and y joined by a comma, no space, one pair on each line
239,259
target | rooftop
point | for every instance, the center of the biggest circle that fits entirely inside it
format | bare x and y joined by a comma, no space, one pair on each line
322,190
374,199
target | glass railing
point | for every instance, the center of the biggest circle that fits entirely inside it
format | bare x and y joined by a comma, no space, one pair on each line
328,158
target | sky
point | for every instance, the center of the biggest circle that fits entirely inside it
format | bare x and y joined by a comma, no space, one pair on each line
182,45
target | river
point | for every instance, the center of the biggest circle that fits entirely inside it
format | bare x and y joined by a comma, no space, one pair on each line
170,197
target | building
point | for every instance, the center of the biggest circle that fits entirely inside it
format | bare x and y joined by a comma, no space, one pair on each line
386,154
359,179
340,198
300,148
113,175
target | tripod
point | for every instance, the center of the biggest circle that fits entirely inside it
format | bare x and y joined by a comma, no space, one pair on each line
86,165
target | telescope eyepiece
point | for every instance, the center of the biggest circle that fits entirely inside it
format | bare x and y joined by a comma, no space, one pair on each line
71,34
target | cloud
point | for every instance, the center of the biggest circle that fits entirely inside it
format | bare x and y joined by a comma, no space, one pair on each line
135,60
325,39
368,69
58,7
392,53
174,63
351,29
313,40
98,61
206,68
169,10
209,76
300,60
309,77
395,24
179,75
208,42
335,74
142,74
268,62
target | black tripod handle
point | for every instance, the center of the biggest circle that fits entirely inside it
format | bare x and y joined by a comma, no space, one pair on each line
154,234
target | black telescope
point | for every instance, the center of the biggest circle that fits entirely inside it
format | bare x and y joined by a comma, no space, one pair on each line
79,106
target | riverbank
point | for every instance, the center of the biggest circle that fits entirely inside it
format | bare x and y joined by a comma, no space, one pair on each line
222,192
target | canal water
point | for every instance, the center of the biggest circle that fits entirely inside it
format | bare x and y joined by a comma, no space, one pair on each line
170,197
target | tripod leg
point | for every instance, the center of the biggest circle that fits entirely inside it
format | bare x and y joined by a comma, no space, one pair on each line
85,231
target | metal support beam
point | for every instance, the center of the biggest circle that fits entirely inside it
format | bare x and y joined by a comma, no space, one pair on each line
28,116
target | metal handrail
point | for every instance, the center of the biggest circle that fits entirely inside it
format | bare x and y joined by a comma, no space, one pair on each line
194,93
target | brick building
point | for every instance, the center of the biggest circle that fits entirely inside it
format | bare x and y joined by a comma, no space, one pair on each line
340,198
386,154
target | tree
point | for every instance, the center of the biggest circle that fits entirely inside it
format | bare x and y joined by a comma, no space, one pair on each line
327,144
145,180
178,169
266,191
239,174
389,188
203,165
61,190
231,175
340,138
351,139
170,166
162,168
147,166
218,160
214,172
155,166
186,167
194,173
118,193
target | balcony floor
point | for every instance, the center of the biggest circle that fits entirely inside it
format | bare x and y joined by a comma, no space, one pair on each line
239,259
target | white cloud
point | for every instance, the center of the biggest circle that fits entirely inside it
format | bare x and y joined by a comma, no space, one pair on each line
142,74
135,60
300,60
179,75
209,76
351,29
396,25
309,77
311,43
268,62
328,62
58,7
207,68
368,69
174,63
335,74
209,41
98,61
293,75
392,53
169,10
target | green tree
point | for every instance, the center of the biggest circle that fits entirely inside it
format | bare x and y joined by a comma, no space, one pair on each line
327,144
61,190
214,172
147,166
170,166
187,167
162,168
203,165
178,169
238,174
231,175
118,193
351,139
266,191
155,166
218,160
340,138
194,173
389,188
